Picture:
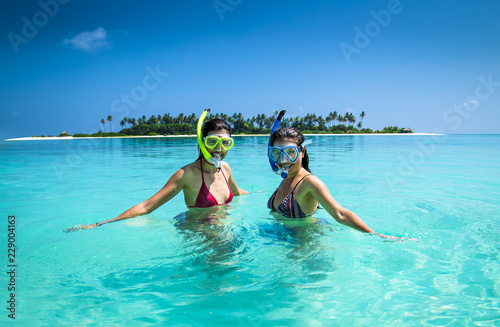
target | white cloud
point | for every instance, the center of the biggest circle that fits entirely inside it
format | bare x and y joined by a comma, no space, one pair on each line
89,41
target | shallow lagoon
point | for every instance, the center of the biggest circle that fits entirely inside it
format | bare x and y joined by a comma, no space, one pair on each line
245,266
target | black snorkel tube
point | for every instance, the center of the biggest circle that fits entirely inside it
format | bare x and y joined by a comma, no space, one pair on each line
275,168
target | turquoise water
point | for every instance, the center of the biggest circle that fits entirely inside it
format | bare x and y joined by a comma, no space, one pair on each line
244,266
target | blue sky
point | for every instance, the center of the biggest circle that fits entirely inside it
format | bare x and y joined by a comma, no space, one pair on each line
429,65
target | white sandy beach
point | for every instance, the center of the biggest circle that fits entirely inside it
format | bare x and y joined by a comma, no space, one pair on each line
156,136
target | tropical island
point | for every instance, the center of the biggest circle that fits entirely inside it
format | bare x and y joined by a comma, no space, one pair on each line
333,123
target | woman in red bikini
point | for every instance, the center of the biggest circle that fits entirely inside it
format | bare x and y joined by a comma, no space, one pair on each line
300,192
207,182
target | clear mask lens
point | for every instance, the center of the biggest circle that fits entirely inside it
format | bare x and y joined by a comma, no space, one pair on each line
212,141
290,152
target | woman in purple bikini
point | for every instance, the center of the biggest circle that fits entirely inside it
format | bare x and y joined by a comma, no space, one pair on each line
207,182
300,192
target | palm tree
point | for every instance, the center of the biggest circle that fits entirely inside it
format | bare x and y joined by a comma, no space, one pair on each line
238,122
309,120
152,120
103,122
350,118
269,121
260,120
192,119
122,122
251,122
321,122
167,119
329,119
297,121
110,119
362,115
226,118
180,117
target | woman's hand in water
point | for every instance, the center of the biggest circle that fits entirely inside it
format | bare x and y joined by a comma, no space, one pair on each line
395,238
80,227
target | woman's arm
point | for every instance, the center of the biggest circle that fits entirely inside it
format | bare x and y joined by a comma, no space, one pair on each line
174,185
232,184
234,188
321,193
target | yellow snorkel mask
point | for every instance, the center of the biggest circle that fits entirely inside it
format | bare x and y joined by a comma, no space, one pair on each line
214,160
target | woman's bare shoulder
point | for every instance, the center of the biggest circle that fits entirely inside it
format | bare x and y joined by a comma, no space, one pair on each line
192,166
188,170
313,181
225,166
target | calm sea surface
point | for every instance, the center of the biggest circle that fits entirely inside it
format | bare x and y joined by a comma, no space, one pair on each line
246,267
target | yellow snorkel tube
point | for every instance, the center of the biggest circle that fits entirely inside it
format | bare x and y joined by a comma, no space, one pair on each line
216,161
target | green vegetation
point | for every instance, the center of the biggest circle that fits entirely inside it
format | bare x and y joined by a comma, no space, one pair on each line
395,129
333,123
99,134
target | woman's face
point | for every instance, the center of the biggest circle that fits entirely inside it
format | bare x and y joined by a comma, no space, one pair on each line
218,150
284,161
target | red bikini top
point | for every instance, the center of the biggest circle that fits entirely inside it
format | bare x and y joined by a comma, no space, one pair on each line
205,199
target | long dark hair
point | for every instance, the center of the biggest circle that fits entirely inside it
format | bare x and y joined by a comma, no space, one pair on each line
294,135
215,124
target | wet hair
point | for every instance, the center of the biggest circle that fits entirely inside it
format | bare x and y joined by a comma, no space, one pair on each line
294,135
215,124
